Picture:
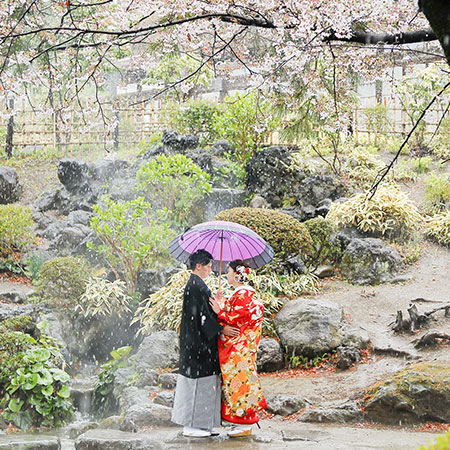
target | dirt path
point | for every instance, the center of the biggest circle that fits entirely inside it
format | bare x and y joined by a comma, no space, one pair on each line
373,308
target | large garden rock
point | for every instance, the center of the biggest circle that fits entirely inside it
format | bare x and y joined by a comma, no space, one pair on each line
270,355
285,405
123,189
105,169
310,327
10,188
74,175
29,442
9,310
315,189
59,200
178,143
371,261
341,412
159,350
115,440
420,393
220,199
221,148
150,414
268,175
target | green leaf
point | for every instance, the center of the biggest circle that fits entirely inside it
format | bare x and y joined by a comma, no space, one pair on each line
60,375
15,404
45,377
48,390
31,381
64,392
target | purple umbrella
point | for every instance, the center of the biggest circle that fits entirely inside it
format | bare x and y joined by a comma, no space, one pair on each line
226,241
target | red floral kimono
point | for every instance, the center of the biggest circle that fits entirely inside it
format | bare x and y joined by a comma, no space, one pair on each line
242,396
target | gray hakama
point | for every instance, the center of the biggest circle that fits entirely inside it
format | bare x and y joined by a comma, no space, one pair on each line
197,402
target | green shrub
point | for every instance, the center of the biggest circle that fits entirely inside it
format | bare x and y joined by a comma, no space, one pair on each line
16,229
438,227
195,117
321,231
131,239
437,191
62,280
286,235
390,212
245,120
105,402
33,386
442,442
174,183
423,164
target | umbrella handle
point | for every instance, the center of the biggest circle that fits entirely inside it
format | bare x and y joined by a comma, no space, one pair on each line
220,261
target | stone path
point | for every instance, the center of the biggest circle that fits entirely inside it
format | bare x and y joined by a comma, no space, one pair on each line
273,435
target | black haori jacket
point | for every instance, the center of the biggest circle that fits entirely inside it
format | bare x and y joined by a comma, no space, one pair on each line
199,331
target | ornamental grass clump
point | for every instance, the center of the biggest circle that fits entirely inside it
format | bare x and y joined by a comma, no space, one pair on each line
437,191
104,298
389,213
438,228
286,235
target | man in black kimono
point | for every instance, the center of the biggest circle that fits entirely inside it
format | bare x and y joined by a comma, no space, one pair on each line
197,396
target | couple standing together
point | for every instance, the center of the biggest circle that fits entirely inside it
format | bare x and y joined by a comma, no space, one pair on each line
218,337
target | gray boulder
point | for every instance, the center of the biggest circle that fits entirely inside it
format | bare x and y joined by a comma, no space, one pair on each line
147,377
174,142
335,412
164,398
74,175
313,190
168,380
419,393
116,440
220,199
285,405
202,158
221,147
268,174
270,355
131,396
123,189
371,261
29,442
347,356
9,310
59,200
159,350
105,169
310,327
150,414
10,188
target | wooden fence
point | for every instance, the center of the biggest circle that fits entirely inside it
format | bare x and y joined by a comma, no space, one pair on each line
136,122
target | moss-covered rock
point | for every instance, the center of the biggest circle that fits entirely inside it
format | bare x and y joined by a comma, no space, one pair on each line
286,235
417,394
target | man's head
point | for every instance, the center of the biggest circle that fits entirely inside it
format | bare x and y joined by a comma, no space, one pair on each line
200,263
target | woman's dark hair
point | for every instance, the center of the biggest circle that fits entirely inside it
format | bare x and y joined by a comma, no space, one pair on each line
201,257
236,263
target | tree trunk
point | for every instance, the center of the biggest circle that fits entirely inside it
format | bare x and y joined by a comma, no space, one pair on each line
437,13
10,131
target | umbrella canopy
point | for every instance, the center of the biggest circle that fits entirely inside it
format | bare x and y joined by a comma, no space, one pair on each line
226,241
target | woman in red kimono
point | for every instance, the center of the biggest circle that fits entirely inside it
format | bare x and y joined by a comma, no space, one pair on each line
242,396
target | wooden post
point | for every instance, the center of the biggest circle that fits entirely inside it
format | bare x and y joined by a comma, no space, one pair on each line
10,129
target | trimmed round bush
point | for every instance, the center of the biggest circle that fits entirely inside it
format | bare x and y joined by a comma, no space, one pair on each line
286,235
62,280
